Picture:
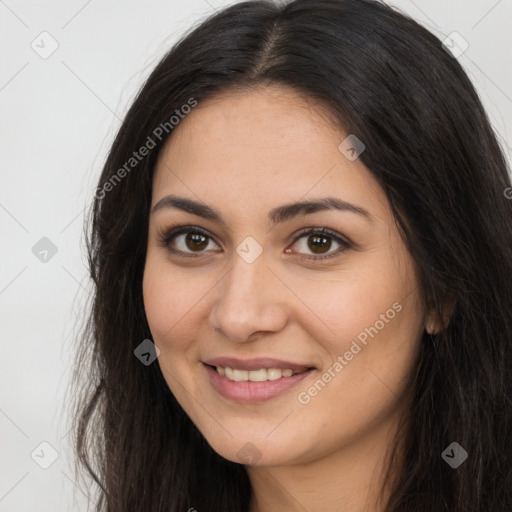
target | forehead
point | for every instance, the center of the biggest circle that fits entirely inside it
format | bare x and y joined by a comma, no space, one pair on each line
261,145
259,122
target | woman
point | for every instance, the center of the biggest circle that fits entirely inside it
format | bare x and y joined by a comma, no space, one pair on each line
301,247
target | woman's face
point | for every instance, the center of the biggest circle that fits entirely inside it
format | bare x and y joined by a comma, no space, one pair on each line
256,291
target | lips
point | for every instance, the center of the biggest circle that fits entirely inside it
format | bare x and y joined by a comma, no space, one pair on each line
253,392
242,380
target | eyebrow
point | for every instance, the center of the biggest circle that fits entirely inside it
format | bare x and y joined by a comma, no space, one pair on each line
276,215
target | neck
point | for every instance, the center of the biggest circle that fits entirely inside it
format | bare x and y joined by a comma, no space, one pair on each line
349,479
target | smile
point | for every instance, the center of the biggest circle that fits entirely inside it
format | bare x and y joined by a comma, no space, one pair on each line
261,375
251,386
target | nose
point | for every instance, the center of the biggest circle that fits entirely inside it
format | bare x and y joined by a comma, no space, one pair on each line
249,301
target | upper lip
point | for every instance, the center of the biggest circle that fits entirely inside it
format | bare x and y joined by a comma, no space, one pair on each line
255,364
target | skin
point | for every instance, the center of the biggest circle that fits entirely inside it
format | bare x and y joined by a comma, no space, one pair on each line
244,153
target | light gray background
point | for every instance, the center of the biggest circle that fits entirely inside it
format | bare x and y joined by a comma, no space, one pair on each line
58,118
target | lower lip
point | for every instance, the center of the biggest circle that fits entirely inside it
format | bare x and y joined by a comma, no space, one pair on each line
251,392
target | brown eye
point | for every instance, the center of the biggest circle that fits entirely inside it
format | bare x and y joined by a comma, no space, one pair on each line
187,241
196,241
319,244
319,241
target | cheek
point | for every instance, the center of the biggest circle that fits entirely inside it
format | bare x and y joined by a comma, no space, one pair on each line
372,359
169,300
368,321
340,309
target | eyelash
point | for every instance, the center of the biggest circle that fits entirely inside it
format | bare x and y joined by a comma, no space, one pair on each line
166,236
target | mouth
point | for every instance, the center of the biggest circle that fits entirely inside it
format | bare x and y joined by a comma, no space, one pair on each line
260,375
255,380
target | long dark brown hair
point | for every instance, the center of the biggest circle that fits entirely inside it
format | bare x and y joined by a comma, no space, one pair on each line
428,143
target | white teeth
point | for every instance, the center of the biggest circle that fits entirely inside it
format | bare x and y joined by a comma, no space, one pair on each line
258,375
240,375
254,375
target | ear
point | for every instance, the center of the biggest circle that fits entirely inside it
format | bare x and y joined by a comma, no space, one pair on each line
438,321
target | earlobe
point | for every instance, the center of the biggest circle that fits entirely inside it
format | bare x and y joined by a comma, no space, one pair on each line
432,325
430,328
